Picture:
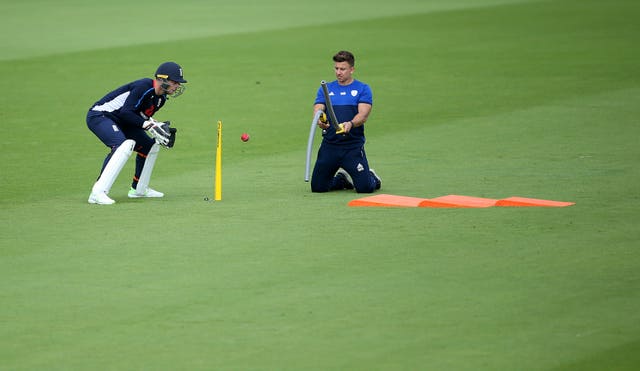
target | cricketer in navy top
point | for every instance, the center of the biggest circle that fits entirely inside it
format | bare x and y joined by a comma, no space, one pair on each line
346,99
342,162
123,121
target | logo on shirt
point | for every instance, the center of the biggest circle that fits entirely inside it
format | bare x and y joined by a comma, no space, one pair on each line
149,111
354,93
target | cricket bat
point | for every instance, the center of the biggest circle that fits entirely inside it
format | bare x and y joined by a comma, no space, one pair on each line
332,115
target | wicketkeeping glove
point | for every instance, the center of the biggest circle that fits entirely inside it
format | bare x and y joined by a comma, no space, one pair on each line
158,131
172,136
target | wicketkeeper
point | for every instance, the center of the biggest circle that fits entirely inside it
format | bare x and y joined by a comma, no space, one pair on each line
123,121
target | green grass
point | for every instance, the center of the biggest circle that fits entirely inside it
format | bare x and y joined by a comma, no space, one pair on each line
508,98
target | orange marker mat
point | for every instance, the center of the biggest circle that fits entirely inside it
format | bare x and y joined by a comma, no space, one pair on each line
458,201
387,201
522,201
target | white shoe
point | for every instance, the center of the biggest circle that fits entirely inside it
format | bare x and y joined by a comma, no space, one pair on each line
100,198
148,193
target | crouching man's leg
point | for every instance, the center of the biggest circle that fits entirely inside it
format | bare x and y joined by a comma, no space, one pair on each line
144,169
113,165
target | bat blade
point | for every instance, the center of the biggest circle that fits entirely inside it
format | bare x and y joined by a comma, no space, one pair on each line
332,114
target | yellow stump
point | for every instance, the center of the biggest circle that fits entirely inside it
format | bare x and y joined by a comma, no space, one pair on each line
218,177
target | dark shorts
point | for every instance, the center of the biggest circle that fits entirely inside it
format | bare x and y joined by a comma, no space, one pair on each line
113,135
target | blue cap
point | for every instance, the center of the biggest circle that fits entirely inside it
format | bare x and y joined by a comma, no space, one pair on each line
171,71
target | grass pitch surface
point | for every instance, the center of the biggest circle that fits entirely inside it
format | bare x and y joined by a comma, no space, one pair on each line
490,99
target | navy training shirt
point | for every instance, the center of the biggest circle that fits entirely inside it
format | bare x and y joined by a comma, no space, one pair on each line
132,103
345,99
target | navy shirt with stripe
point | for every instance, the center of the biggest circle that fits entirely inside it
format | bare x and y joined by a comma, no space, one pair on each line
132,103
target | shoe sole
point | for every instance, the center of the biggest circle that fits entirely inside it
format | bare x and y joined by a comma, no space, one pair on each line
347,178
142,196
96,202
